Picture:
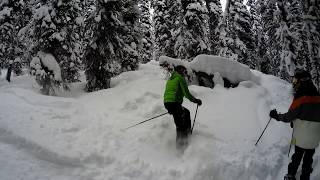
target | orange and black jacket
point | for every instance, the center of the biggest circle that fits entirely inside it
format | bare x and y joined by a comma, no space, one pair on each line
305,108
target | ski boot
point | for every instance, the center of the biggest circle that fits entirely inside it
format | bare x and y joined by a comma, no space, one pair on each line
289,177
182,140
305,175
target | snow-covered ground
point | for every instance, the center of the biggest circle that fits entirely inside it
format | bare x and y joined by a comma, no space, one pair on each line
80,136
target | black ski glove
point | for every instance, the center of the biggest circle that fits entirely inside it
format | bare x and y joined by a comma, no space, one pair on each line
198,101
274,114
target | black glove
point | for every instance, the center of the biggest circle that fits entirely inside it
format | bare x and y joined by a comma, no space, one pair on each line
198,101
274,114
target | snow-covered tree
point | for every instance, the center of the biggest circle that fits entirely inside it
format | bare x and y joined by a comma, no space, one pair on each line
289,29
145,52
69,24
114,43
47,72
285,37
13,16
267,11
56,26
259,55
225,42
310,36
54,31
166,24
88,8
161,28
192,39
215,15
239,33
131,35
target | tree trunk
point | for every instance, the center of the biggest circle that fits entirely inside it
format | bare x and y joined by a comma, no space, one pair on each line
9,73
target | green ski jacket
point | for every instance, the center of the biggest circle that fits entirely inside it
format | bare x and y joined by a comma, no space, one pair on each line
176,89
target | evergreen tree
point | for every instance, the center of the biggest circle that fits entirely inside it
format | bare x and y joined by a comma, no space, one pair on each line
285,37
13,16
166,22
68,22
259,55
289,30
269,24
225,42
56,31
310,35
192,39
239,33
162,32
113,46
88,8
131,35
145,52
215,15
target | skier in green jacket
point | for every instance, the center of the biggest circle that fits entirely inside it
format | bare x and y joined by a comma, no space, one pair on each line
176,89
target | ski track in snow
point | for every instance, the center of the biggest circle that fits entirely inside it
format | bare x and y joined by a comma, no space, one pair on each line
82,137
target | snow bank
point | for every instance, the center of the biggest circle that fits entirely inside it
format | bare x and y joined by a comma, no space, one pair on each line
169,63
172,62
232,70
45,137
3,73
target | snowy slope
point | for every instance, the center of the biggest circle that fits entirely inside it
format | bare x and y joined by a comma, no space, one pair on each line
80,136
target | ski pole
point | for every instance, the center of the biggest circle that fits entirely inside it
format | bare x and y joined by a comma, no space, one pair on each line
144,121
194,120
263,131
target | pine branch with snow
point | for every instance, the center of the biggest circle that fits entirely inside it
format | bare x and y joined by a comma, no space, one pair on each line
114,45
145,28
215,16
192,39
14,15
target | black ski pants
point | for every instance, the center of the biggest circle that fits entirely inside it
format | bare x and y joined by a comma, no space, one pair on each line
181,116
296,158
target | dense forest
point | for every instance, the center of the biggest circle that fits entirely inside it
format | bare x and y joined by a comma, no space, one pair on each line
107,37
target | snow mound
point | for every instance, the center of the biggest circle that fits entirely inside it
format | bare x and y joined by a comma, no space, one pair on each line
230,69
234,71
49,62
172,62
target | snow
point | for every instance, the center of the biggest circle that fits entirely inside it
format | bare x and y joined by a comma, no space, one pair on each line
80,21
80,136
42,12
3,73
217,79
3,2
98,18
214,7
57,36
5,13
17,60
50,62
223,4
172,61
230,69
197,7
